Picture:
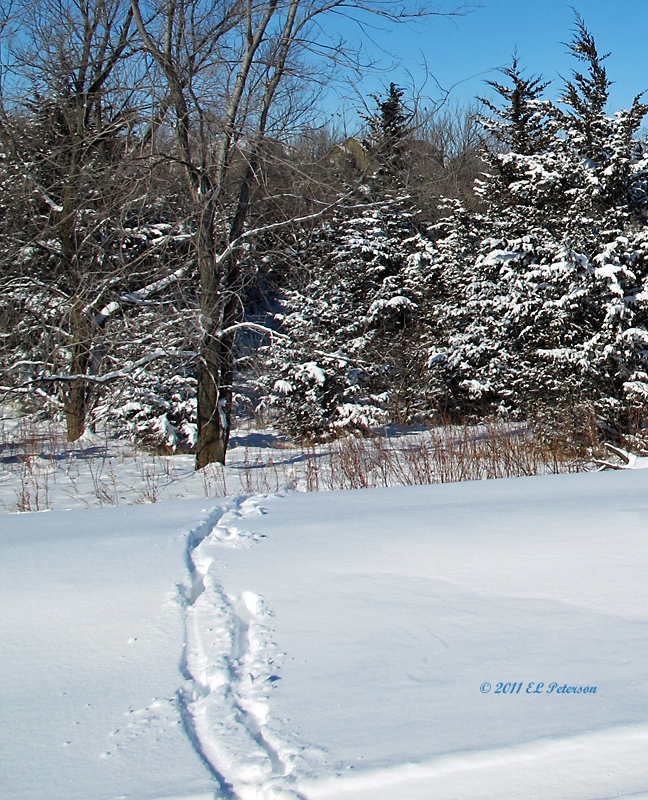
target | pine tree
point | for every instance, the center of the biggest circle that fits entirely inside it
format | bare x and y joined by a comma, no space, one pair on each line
355,346
525,158
520,125
357,341
387,141
554,299
607,161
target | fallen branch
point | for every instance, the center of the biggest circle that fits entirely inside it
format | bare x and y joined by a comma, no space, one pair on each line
630,461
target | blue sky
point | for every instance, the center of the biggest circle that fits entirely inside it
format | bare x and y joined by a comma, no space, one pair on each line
462,52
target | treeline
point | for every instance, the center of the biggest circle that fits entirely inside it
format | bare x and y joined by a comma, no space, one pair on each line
183,239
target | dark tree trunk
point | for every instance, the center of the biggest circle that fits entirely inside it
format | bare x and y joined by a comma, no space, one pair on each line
213,420
75,411
216,371
76,402
220,308
77,393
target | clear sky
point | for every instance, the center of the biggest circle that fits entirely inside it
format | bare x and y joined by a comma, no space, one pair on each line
462,52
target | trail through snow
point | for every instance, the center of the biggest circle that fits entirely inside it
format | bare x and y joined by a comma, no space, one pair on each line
92,630
230,660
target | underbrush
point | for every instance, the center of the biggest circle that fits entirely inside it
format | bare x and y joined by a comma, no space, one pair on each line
447,454
39,470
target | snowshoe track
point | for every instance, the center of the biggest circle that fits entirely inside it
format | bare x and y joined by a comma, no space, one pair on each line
229,663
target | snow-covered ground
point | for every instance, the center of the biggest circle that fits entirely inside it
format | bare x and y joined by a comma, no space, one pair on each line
40,471
332,646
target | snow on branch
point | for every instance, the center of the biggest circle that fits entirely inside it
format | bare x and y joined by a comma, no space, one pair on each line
43,193
124,372
139,296
273,226
630,461
252,326
262,328
32,390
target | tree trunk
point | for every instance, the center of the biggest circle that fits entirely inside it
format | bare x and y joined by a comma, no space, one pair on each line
75,411
220,308
216,371
76,402
213,420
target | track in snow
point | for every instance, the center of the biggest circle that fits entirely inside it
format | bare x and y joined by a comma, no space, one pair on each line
230,667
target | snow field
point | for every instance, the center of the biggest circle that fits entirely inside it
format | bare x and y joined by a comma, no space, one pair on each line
394,606
586,767
92,635
331,646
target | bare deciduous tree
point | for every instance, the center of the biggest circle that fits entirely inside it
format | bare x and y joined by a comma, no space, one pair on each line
118,94
64,115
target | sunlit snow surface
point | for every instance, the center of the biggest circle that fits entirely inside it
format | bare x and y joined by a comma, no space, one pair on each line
92,637
335,645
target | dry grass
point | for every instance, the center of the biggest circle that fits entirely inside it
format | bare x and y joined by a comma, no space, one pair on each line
25,450
438,455
444,455
36,461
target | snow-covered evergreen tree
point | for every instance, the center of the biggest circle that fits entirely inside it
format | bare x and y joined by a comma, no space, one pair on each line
353,351
553,308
